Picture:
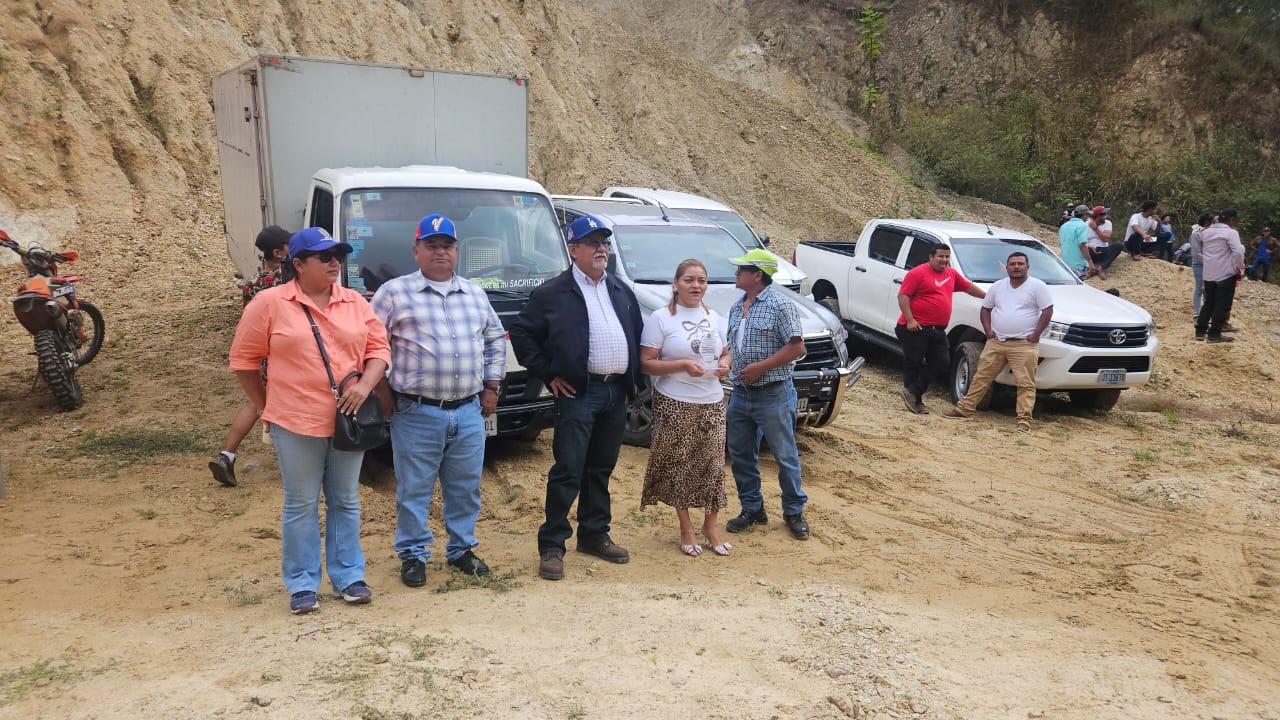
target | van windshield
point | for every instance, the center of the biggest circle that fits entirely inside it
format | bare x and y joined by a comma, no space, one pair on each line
982,260
506,240
651,253
732,222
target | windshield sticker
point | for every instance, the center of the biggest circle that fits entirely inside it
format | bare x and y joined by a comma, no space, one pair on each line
355,283
493,283
357,207
353,271
356,245
358,231
524,200
372,196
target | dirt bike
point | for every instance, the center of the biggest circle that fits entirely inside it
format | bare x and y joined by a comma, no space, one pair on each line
68,331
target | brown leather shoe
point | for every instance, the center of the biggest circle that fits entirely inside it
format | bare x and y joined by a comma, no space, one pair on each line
605,550
551,566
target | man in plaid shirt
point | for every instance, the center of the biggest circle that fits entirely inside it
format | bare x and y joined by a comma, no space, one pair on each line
765,342
448,358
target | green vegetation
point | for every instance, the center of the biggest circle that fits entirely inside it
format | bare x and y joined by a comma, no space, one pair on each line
15,684
871,32
133,445
505,582
1043,145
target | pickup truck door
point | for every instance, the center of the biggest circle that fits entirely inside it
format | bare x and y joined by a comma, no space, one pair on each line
875,276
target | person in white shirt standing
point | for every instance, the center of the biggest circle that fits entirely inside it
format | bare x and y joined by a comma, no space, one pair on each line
1223,255
1015,312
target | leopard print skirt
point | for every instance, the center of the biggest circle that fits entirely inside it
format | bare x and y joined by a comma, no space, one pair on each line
686,456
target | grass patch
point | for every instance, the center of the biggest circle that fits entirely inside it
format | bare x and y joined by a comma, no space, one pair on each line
146,513
134,445
245,594
505,582
1170,417
15,684
1146,456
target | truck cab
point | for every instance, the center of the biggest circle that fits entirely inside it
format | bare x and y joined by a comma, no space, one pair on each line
508,243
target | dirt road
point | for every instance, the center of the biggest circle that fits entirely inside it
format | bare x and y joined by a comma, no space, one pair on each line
1102,567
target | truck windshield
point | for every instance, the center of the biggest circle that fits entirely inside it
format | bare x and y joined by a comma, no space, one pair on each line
506,240
982,260
732,222
650,253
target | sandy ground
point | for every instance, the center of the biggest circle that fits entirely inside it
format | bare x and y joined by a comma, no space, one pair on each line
1103,567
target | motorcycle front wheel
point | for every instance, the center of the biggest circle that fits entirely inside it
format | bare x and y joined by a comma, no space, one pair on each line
55,370
95,330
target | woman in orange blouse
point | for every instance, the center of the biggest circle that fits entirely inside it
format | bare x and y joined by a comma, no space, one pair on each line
300,409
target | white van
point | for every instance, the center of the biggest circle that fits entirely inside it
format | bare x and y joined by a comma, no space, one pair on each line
719,213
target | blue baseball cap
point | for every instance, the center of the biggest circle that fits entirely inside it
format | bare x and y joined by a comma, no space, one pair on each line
436,224
315,239
583,227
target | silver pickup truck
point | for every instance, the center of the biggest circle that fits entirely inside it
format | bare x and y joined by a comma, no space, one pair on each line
1096,346
650,241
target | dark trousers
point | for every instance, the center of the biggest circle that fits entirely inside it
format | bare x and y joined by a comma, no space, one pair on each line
1104,256
1164,249
1216,307
925,356
1260,269
1134,244
588,436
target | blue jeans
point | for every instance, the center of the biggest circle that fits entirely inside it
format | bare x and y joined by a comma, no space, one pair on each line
1260,264
1197,272
427,441
308,465
588,436
768,413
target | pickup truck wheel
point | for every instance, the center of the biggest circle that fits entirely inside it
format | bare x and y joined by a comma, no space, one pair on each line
964,363
832,304
1099,400
639,429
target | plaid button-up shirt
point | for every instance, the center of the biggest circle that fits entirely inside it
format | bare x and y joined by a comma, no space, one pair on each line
442,346
771,323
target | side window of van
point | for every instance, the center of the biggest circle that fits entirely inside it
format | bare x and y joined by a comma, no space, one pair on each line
885,244
321,209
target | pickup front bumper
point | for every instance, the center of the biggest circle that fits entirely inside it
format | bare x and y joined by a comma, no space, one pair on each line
820,393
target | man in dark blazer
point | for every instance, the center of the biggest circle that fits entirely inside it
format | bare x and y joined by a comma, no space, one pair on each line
580,334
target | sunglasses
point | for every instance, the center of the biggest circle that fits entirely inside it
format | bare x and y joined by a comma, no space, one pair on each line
326,256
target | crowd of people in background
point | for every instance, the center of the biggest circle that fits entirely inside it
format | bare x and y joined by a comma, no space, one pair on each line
1213,250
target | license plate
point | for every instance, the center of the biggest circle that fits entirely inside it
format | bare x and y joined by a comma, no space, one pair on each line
802,404
491,425
64,290
1111,377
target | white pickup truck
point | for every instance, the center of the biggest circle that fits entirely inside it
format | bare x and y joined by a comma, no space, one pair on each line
1097,345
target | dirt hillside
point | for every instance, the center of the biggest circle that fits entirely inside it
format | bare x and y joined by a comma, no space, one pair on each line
1122,567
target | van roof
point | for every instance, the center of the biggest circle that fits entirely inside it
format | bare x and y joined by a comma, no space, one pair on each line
669,198
429,176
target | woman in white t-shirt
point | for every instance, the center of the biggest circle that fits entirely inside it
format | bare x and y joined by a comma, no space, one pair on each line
684,351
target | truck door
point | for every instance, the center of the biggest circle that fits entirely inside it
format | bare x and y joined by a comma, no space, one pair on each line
874,279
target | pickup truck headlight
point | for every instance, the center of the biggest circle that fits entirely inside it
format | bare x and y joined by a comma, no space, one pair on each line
1056,331
1151,329
841,336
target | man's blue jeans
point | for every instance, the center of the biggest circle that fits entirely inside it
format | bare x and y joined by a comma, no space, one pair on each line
308,465
427,441
768,413
588,436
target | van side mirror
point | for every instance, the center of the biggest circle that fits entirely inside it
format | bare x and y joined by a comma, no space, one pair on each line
764,240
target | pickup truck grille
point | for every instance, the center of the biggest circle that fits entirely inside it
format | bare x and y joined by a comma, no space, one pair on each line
1105,335
819,353
793,288
1090,365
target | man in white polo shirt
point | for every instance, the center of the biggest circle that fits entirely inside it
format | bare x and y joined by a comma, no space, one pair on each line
1014,313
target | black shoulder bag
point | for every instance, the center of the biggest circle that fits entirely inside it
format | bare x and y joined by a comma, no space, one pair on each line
368,428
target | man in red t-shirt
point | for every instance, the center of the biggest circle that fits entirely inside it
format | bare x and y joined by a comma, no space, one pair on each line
925,299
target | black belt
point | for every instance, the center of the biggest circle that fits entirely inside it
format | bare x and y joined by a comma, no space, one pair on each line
606,378
762,386
442,404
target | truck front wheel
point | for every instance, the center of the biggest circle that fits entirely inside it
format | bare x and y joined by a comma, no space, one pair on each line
1098,400
964,364
639,429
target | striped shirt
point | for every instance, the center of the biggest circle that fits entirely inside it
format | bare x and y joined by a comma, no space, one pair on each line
443,345
607,350
771,322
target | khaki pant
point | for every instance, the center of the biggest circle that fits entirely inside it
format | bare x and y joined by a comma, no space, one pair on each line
1021,357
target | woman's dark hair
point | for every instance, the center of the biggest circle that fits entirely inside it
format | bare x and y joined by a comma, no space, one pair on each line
287,270
272,238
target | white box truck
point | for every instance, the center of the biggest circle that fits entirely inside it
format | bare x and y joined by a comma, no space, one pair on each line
365,151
